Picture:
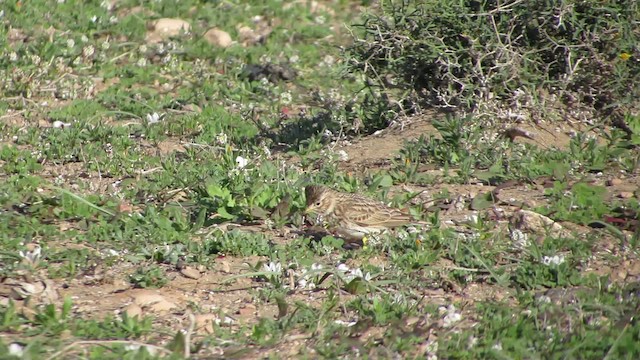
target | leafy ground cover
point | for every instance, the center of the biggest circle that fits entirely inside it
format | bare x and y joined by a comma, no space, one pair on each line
153,164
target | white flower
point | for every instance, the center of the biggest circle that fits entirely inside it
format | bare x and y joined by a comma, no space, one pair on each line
70,43
142,62
221,139
153,118
59,124
343,267
241,162
273,267
345,323
31,256
471,219
266,151
519,238
342,155
451,317
13,56
316,267
285,97
88,51
553,260
16,349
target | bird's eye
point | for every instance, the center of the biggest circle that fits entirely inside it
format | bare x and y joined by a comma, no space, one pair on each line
318,203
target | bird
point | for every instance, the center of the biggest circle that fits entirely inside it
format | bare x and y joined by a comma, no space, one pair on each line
354,216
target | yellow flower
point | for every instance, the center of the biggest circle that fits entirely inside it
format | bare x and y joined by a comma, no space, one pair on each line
625,56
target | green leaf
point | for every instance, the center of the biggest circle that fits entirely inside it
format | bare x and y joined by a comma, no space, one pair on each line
223,213
482,201
356,286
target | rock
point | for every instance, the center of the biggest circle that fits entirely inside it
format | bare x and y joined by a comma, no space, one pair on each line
190,273
205,322
532,222
614,182
133,310
217,37
163,306
165,28
147,298
625,195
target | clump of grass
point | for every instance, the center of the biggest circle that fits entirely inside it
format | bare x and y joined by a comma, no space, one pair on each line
504,59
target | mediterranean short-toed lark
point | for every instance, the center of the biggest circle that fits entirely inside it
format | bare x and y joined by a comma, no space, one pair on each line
352,215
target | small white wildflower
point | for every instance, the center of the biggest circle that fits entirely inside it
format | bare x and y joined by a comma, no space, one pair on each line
226,321
105,45
32,256
285,97
273,267
471,219
316,267
519,238
153,118
221,139
142,49
13,56
356,273
553,260
61,1
16,349
35,59
294,59
472,341
266,151
94,18
320,20
88,51
345,323
327,134
241,162
343,267
328,60
451,317
71,43
1,14
113,20
59,124
84,38
142,62
342,155
497,346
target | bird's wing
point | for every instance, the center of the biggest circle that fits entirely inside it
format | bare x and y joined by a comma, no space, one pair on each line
373,214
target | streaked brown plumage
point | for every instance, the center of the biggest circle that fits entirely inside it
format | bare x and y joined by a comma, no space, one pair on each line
354,215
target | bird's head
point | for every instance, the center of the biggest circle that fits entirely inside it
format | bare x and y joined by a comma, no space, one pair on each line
319,199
